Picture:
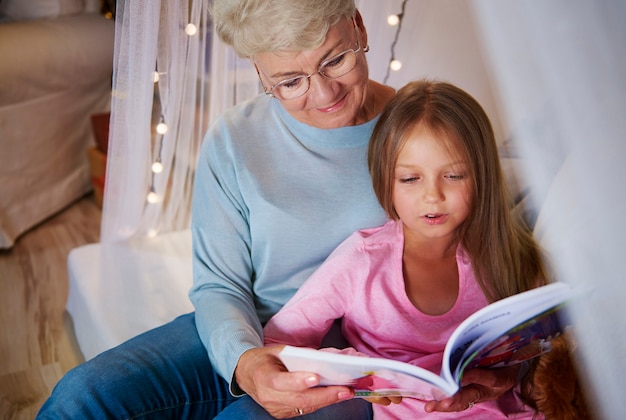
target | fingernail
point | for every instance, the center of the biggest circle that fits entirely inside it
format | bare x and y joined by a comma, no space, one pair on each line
311,381
343,395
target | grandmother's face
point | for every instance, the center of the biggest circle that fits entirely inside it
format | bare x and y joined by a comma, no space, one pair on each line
329,103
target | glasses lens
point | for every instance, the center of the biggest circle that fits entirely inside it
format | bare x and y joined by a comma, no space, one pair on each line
339,65
333,68
291,88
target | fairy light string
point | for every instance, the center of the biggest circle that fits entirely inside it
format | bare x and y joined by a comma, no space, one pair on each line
161,129
395,20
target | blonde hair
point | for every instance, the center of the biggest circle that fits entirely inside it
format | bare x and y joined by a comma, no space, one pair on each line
504,254
257,26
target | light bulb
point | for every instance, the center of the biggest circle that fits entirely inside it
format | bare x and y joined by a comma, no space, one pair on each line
393,20
161,128
395,65
157,167
191,29
152,197
155,76
152,233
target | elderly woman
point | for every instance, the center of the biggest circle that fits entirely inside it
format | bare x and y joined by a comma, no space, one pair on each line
281,180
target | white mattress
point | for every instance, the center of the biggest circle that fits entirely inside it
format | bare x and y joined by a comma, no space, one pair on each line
118,291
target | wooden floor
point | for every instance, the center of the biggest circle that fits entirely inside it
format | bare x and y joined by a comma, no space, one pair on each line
37,344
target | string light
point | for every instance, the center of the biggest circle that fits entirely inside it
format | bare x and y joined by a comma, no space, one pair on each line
153,197
160,130
395,20
161,127
395,65
191,29
157,167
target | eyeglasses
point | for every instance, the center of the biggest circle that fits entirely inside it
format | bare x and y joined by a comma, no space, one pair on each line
333,68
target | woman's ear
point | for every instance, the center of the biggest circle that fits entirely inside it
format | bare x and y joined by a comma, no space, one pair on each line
358,19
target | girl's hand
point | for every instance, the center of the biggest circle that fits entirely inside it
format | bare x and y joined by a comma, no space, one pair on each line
478,385
261,375
385,400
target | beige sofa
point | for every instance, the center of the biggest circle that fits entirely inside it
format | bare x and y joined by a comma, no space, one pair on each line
55,72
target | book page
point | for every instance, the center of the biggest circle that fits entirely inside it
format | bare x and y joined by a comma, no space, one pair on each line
368,376
523,342
494,320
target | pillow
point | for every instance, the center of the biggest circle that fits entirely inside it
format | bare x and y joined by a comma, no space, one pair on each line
16,10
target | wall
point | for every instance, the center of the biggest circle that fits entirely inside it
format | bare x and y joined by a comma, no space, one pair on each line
439,40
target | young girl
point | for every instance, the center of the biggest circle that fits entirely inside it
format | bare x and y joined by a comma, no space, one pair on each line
451,246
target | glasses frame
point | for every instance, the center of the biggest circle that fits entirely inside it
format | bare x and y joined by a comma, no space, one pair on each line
319,70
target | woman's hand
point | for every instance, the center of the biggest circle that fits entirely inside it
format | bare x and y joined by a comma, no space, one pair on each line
478,385
261,375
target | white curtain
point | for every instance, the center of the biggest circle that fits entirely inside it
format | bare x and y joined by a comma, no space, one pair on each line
198,78
560,68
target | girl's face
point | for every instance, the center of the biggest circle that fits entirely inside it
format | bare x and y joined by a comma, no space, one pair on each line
432,187
328,103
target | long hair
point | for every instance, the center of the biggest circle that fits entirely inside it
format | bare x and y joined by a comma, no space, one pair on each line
504,254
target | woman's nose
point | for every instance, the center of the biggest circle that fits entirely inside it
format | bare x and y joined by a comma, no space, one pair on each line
321,88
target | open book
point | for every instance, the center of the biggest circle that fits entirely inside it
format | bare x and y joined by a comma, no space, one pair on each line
503,333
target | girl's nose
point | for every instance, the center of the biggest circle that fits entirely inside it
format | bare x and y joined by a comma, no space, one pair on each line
432,192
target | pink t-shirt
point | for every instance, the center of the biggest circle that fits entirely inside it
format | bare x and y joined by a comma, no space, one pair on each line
362,282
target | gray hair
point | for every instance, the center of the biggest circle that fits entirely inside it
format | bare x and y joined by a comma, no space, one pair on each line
257,26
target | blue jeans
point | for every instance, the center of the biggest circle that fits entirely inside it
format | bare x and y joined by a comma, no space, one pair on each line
246,408
164,373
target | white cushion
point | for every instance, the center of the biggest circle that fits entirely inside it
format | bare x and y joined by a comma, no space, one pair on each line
120,290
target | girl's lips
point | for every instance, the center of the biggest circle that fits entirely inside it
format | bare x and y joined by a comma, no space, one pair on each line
334,107
434,219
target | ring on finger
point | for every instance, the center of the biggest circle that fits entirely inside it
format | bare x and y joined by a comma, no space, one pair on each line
299,411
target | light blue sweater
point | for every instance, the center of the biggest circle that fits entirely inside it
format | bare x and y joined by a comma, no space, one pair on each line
272,198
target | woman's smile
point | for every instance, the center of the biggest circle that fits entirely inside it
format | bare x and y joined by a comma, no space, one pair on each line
338,105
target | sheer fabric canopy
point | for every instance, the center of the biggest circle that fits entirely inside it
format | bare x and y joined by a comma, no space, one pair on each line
169,70
560,67
557,88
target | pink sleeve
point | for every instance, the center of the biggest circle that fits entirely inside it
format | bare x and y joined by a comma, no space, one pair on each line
324,297
350,351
